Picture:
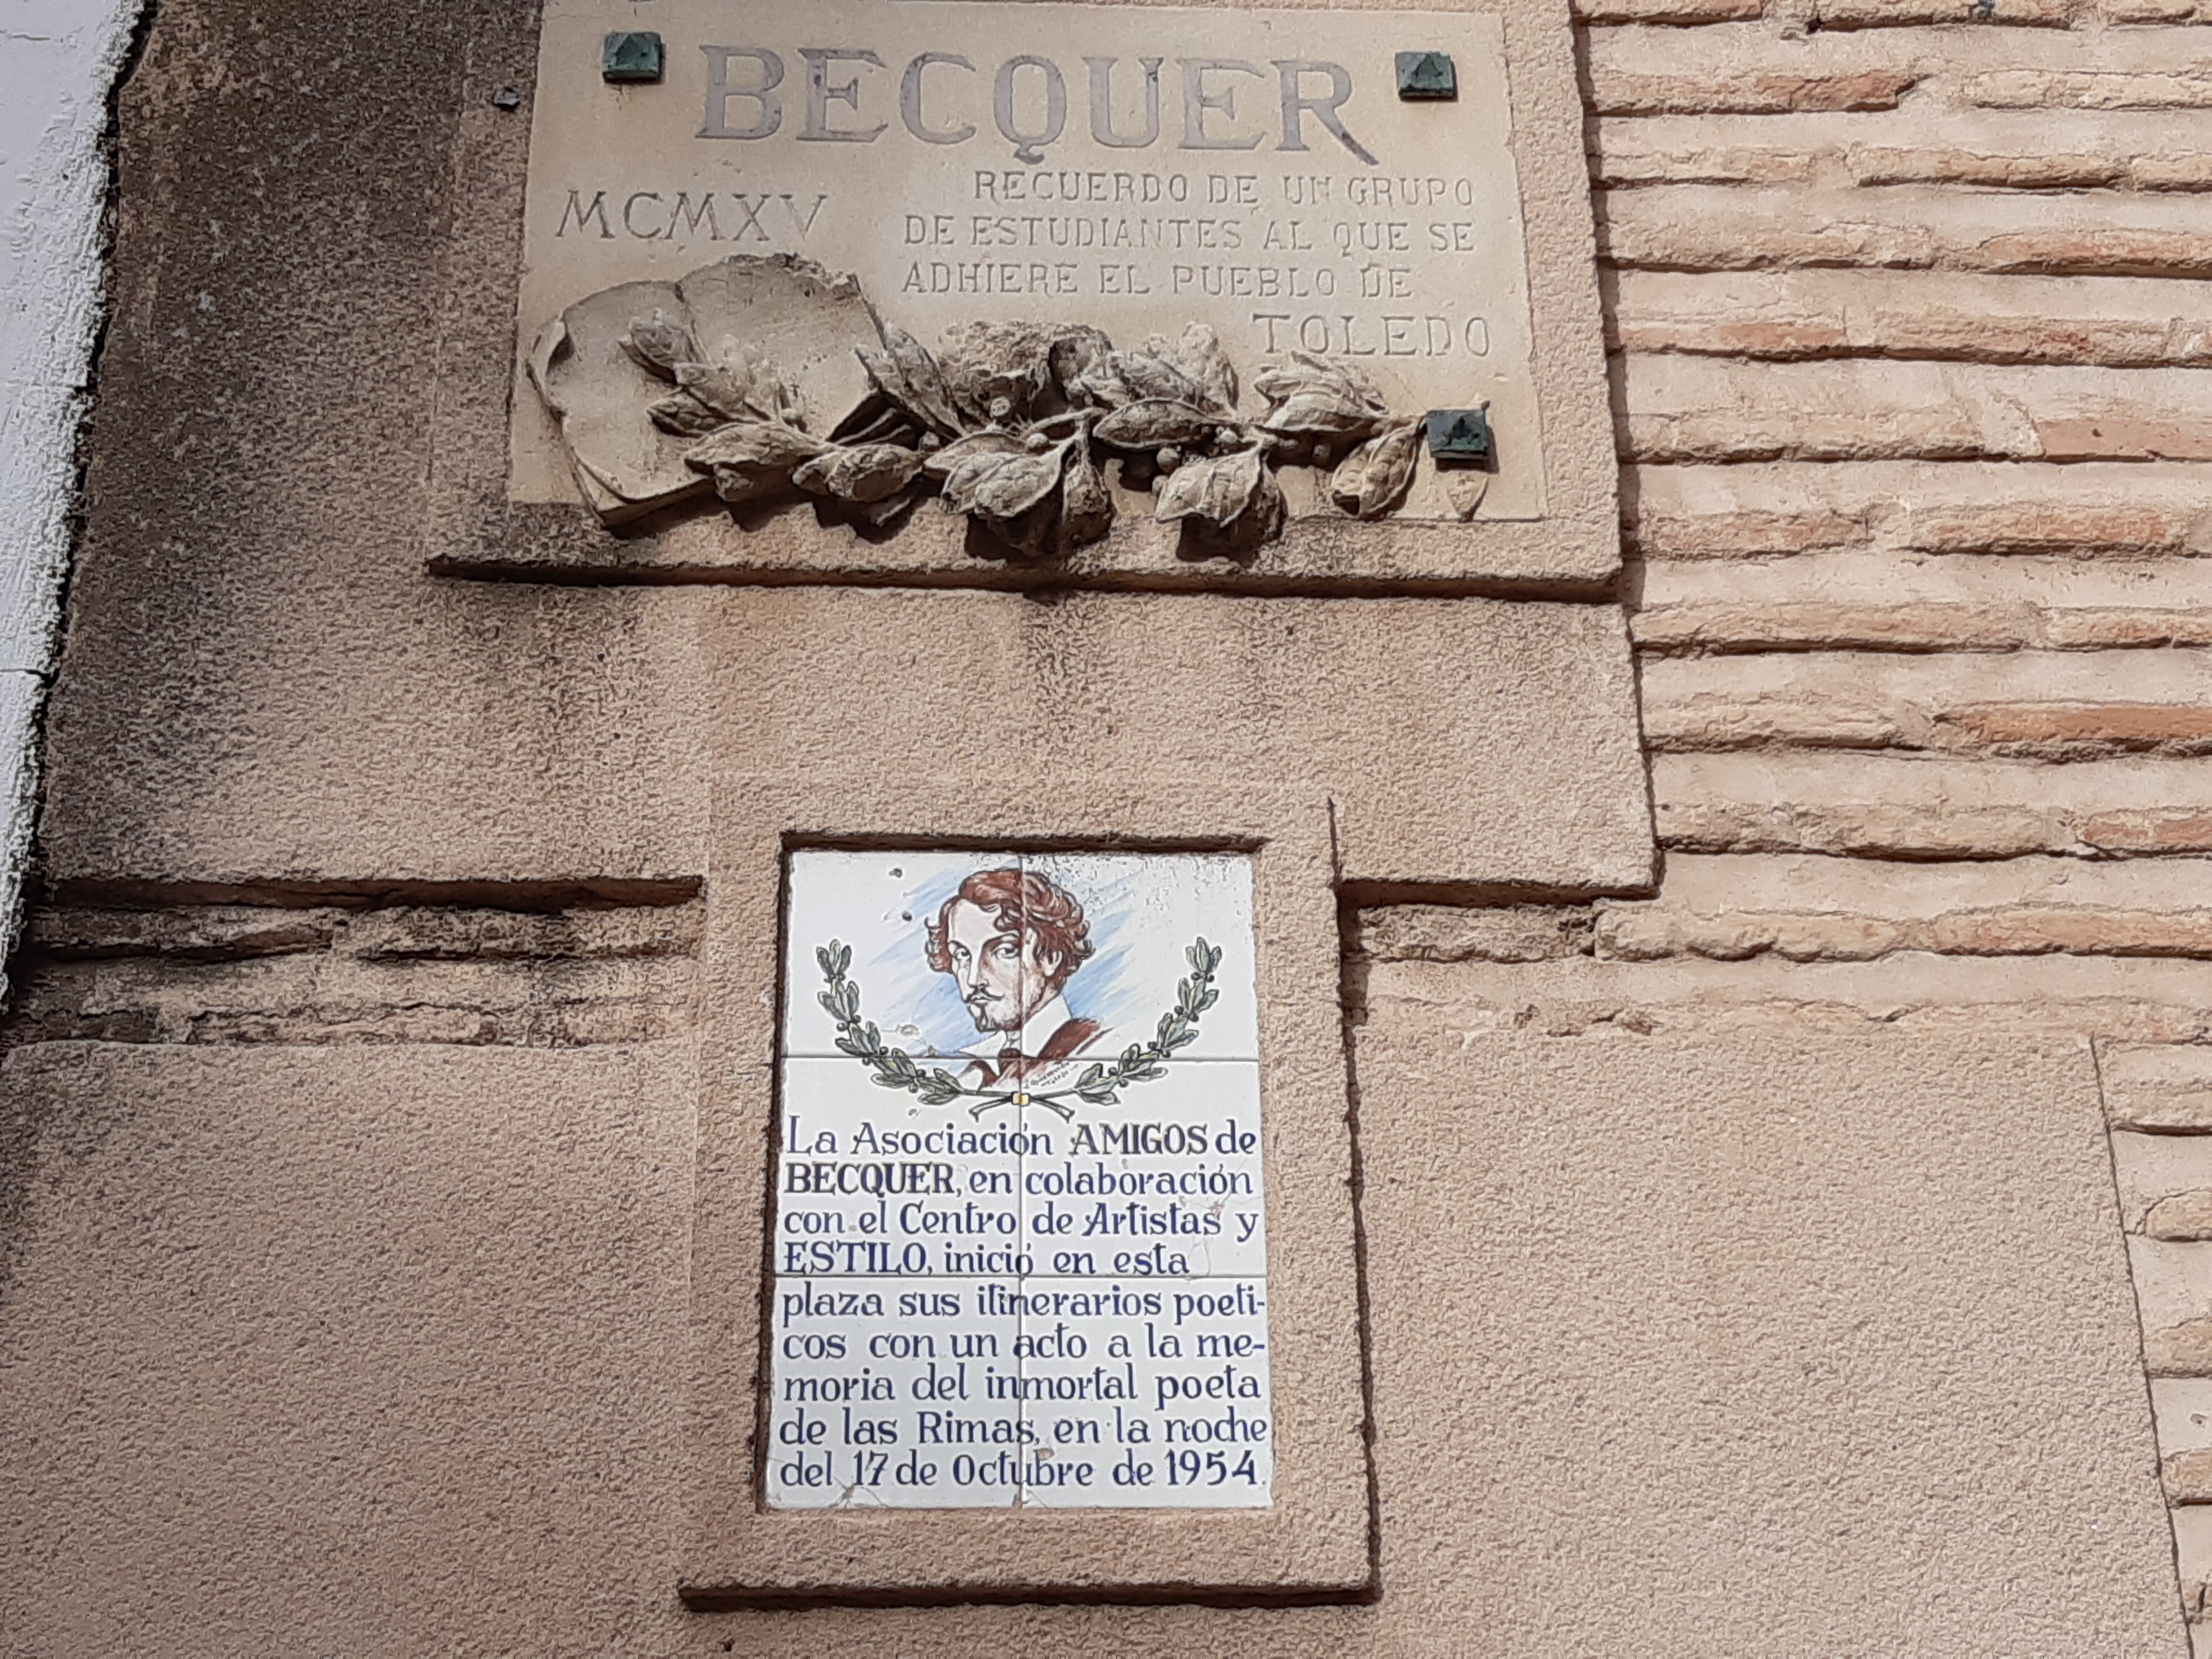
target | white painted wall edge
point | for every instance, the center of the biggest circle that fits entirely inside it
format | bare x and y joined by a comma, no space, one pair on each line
58,61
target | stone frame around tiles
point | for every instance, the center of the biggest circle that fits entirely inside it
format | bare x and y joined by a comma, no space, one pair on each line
1314,1542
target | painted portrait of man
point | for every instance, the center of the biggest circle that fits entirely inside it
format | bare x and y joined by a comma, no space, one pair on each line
1011,940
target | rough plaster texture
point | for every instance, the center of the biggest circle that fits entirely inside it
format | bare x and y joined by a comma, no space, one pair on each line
368,1353
58,58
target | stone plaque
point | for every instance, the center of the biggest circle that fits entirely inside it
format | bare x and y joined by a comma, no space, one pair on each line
1019,1249
1025,213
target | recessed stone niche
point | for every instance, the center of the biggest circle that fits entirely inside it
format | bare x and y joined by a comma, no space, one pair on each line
994,1200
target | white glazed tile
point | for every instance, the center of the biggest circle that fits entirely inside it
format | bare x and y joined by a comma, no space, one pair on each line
1161,1389
879,906
870,1182
1142,914
881,1388
1055,1281
1170,1182
1141,917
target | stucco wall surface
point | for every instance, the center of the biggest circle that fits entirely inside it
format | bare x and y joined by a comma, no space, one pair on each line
1679,1348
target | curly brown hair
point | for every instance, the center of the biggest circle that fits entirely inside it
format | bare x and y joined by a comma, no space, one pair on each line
1023,903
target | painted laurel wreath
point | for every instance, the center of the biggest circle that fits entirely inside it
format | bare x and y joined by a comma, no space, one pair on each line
1099,1086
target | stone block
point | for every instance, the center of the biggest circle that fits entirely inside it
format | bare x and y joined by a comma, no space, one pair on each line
1515,933
1872,166
2103,998
1623,163
2087,89
2164,1180
1615,92
1672,12
418,934
203,932
303,999
2192,1541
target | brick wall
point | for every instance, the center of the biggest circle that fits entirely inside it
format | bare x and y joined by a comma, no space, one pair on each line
1910,325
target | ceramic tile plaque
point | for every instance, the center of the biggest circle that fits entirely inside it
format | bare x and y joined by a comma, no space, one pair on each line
1018,1244
1259,213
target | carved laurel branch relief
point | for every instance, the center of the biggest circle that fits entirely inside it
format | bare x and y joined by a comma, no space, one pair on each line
1013,424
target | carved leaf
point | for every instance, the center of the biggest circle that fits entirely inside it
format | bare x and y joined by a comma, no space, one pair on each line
1375,477
1321,413
905,373
966,478
1087,511
686,416
658,345
768,444
738,485
1199,358
1232,499
1279,382
1217,490
1263,517
945,462
1156,422
863,474
1149,376
728,392
1018,484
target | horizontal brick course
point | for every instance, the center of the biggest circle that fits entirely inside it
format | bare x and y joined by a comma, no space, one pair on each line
1931,807
1809,908
1719,228
1973,510
1690,409
1796,315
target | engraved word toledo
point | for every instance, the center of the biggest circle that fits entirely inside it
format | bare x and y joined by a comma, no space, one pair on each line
1052,267
1019,1254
